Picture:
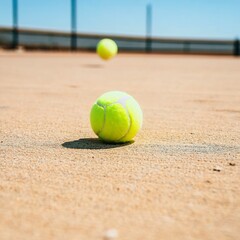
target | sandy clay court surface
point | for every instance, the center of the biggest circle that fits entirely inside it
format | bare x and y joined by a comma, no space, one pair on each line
180,179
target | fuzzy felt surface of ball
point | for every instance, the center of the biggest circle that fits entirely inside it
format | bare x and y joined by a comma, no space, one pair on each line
107,48
116,117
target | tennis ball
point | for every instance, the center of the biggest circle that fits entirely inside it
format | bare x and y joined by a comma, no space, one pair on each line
107,48
116,117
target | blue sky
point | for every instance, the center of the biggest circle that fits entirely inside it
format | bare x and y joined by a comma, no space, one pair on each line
171,18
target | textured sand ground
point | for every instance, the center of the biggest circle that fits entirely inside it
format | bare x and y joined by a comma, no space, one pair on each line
180,178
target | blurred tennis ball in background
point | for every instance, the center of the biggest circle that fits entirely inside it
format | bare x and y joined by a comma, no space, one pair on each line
116,117
107,48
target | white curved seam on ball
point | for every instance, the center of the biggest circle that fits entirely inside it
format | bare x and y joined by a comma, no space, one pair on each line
130,119
121,101
104,117
125,98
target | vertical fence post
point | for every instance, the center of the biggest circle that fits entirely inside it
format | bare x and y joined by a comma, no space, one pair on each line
186,47
73,25
149,28
15,39
236,50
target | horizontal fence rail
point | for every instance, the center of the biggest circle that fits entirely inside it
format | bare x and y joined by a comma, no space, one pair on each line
38,39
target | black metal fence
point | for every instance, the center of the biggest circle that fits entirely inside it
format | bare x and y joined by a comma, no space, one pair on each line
36,39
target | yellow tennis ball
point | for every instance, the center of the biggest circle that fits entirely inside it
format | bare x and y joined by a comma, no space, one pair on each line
116,117
107,48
